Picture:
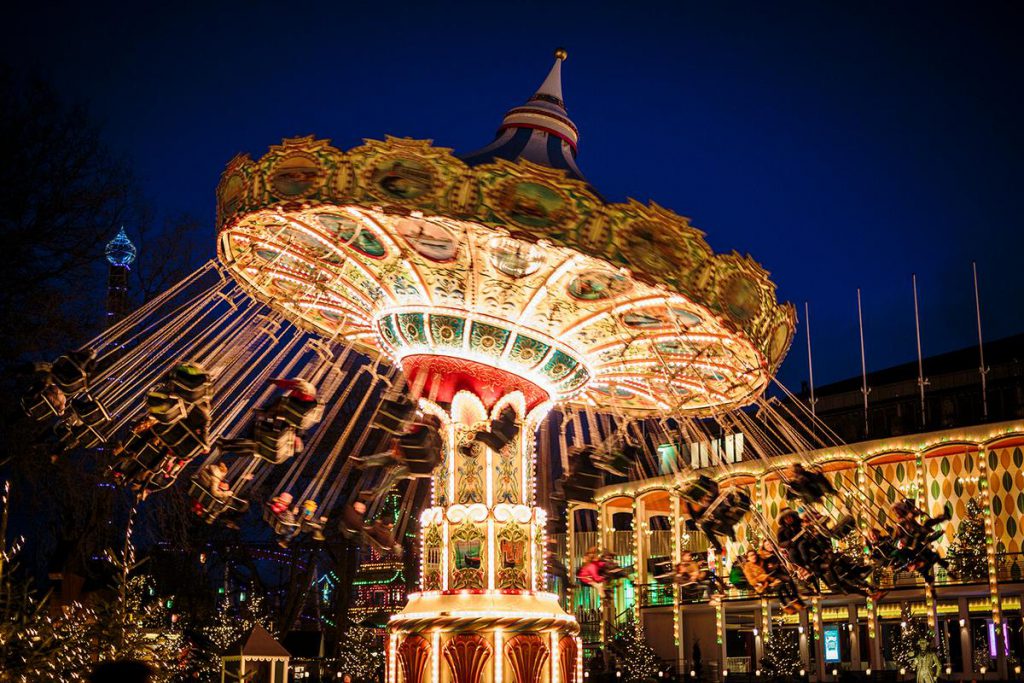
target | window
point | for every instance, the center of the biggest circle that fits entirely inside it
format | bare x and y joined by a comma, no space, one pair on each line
723,450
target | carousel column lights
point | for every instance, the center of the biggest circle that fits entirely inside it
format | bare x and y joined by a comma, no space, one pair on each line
503,285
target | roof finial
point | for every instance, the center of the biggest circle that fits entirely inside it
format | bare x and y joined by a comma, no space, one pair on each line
539,130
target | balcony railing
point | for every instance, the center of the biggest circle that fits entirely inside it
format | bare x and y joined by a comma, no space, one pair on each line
1009,569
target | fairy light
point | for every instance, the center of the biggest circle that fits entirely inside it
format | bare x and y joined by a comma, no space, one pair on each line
489,477
990,545
499,656
445,559
435,656
554,658
637,541
490,553
392,670
555,617
677,556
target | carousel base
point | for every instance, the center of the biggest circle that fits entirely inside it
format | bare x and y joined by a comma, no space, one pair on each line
483,637
458,610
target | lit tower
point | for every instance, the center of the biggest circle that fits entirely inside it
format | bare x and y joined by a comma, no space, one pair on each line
495,281
120,253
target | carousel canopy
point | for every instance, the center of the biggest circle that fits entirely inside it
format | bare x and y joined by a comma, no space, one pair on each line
502,265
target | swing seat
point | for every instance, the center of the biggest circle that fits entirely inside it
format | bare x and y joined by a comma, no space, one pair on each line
299,414
614,463
69,375
88,437
191,382
393,415
90,411
579,490
181,439
148,458
421,453
704,487
661,570
280,525
38,407
210,506
276,446
67,436
166,408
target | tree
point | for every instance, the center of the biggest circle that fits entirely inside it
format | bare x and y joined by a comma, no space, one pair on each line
967,553
636,658
137,623
33,644
781,655
908,644
360,655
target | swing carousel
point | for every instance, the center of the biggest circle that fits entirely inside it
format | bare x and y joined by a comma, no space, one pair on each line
396,316
502,284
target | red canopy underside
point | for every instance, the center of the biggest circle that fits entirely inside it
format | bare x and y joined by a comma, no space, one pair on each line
441,377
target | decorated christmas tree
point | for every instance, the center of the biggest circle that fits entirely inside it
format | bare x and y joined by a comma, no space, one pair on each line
637,660
908,644
967,555
360,655
781,655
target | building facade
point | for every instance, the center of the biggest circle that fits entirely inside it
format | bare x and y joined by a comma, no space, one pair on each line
977,617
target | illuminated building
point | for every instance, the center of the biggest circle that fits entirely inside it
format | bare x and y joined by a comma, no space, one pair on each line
941,469
380,582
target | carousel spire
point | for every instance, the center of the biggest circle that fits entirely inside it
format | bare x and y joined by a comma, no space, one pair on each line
539,130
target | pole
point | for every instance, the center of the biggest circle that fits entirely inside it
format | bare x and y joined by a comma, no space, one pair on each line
863,363
982,370
921,381
810,360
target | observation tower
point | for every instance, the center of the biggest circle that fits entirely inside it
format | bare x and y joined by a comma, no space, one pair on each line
120,254
493,280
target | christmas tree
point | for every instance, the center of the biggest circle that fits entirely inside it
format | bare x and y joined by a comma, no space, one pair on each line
637,660
908,644
781,655
360,655
967,554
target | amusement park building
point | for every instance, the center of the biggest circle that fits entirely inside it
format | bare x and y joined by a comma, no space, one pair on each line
943,468
962,456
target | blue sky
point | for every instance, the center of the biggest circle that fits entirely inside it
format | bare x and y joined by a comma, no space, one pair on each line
843,145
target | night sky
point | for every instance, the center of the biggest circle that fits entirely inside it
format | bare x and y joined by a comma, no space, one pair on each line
841,144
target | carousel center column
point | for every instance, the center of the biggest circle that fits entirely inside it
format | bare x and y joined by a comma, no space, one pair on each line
483,614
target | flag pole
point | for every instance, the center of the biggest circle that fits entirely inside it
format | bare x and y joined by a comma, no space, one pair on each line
863,363
982,370
810,360
921,381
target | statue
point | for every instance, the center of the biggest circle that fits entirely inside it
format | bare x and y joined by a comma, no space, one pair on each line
926,662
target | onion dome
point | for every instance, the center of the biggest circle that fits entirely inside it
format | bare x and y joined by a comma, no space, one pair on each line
120,251
539,131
